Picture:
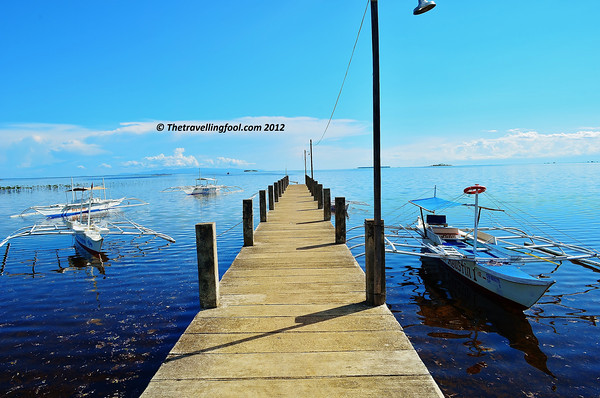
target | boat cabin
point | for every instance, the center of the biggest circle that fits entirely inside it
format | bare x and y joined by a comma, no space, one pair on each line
437,223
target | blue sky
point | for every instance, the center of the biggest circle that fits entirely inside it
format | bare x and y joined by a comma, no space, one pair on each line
85,83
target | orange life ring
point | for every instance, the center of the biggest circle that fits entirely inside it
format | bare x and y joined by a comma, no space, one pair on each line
474,189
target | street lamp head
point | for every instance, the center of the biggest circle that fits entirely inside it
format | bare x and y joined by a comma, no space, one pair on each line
423,7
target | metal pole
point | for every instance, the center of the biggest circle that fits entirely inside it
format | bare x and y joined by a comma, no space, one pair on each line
475,226
311,161
377,241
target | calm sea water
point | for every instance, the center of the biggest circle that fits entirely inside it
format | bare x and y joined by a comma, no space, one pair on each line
71,325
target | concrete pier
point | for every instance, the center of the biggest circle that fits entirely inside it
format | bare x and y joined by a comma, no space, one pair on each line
293,321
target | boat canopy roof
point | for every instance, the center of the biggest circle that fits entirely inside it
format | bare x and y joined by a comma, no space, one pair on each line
434,204
81,189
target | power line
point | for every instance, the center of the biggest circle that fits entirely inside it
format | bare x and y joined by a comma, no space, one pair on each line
346,74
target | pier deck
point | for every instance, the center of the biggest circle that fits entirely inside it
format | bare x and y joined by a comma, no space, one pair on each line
293,322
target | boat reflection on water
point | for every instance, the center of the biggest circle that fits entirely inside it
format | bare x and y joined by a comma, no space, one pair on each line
84,258
451,303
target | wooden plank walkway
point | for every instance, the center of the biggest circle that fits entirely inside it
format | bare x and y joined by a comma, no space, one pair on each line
293,322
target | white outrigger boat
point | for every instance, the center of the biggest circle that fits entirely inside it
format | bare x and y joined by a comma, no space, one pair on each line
88,235
204,186
81,205
486,256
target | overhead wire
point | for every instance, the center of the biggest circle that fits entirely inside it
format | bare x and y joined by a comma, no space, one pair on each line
345,75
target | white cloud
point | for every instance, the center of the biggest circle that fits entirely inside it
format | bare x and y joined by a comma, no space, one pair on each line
79,147
515,144
132,163
228,162
178,159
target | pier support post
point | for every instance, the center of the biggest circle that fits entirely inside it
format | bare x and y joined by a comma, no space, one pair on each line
248,219
340,220
271,198
327,204
263,205
375,277
276,191
208,270
319,196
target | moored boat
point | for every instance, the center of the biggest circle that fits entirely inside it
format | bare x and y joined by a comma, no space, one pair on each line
489,257
81,204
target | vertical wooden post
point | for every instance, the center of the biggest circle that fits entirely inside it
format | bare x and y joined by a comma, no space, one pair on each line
340,220
375,275
262,195
319,192
271,198
248,221
208,269
276,191
327,204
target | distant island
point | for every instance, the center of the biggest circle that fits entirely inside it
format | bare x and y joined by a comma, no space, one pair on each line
441,165
250,171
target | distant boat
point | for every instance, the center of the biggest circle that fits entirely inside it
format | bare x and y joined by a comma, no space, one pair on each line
204,186
485,256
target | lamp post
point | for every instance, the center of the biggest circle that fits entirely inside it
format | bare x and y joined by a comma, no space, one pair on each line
377,295
311,161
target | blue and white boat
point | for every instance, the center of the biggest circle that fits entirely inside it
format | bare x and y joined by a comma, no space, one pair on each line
87,233
488,257
81,204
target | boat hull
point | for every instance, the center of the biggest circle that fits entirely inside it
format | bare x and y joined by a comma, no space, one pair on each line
522,291
66,210
201,190
88,236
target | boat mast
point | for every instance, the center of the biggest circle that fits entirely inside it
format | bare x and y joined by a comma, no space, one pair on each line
475,190
90,207
475,227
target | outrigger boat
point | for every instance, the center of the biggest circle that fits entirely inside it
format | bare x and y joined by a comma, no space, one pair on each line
486,256
204,186
81,204
88,235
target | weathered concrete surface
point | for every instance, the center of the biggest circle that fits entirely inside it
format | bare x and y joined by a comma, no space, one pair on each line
293,322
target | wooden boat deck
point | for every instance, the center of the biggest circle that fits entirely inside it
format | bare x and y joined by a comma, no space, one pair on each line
293,322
